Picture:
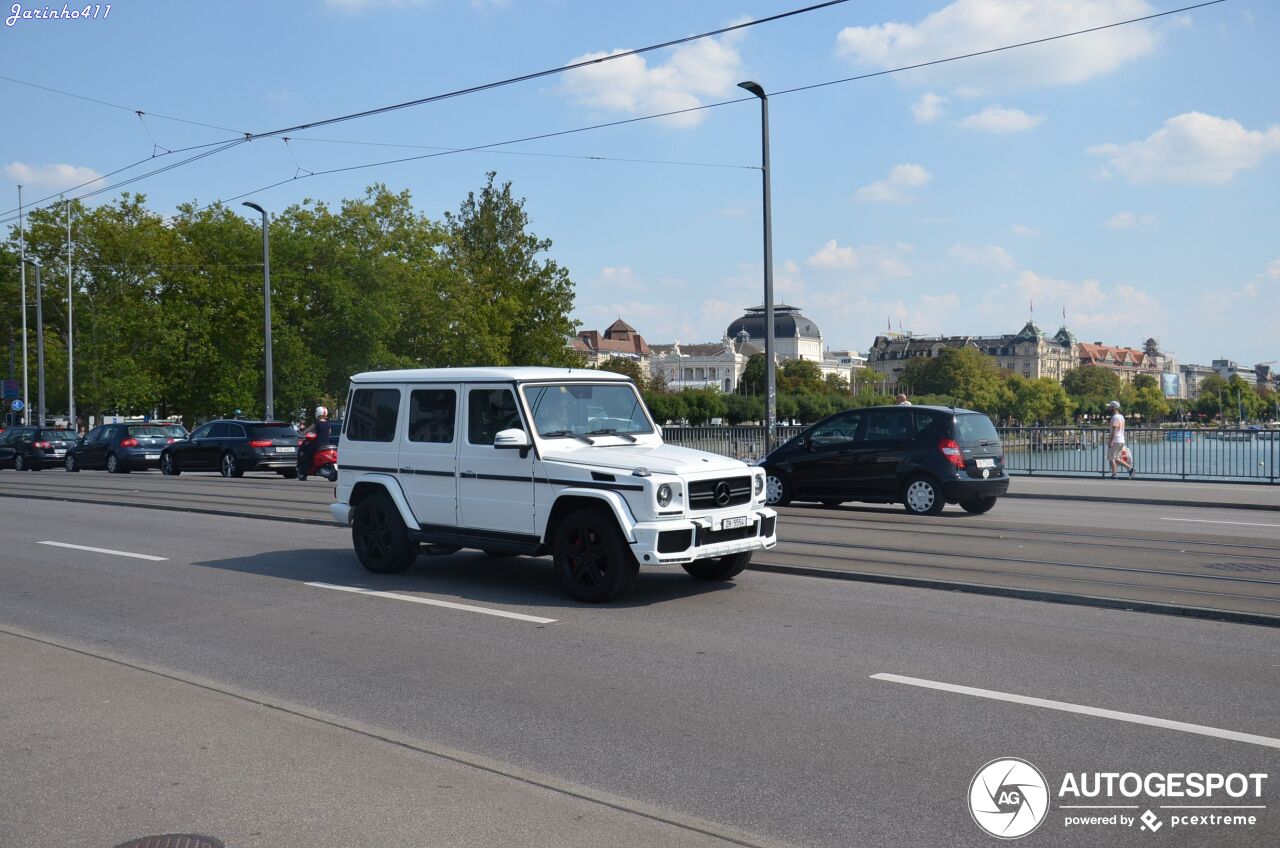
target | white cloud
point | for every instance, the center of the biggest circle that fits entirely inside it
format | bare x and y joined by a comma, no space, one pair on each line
50,176
1025,231
1192,148
967,26
1094,311
708,67
896,187
985,256
831,256
619,278
929,108
999,119
1129,220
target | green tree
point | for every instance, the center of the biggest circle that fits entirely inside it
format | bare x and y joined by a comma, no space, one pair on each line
812,407
739,409
1039,401
1092,388
629,367
800,375
753,376
701,405
1149,402
965,374
665,406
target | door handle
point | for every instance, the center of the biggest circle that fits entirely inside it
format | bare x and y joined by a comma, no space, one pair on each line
468,474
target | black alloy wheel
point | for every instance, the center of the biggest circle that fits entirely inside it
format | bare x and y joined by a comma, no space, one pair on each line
115,466
169,465
20,463
592,561
70,463
719,568
379,536
229,467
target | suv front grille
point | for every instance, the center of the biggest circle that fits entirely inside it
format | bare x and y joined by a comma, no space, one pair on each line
708,494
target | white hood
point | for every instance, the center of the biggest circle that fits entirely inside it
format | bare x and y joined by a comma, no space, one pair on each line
659,459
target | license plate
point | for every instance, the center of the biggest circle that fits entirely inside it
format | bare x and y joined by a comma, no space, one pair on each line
59,453
151,455
730,523
986,463
286,450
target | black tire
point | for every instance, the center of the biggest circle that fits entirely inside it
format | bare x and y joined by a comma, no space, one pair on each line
777,489
288,473
115,466
977,506
20,464
70,463
719,568
229,467
923,496
329,472
592,560
380,538
169,465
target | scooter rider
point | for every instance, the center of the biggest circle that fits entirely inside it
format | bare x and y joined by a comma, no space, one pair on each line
307,451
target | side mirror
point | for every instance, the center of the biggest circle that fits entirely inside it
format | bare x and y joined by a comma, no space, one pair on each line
512,439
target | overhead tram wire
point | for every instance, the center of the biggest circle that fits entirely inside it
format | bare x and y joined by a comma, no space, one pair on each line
100,102
797,89
245,136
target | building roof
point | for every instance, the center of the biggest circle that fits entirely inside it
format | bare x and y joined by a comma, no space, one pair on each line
1094,353
620,337
788,323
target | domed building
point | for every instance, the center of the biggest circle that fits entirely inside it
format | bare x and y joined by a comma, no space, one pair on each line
795,336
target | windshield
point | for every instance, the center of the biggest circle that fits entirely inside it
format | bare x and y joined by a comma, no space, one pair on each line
152,432
175,430
272,431
57,435
584,410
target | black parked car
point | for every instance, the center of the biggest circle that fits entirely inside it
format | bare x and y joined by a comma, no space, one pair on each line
120,448
921,456
34,448
234,447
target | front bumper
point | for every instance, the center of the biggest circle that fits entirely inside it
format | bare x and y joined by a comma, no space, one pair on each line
679,541
341,513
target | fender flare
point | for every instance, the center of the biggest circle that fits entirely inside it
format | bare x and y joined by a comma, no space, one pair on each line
617,504
391,486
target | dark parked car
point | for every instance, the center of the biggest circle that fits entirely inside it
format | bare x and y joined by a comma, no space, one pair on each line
34,448
120,448
234,447
921,456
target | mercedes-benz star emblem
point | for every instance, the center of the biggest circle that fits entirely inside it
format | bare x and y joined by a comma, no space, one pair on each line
723,493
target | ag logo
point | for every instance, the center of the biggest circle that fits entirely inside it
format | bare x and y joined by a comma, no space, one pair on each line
1008,798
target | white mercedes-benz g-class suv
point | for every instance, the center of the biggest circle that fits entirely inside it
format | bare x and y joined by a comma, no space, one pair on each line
535,461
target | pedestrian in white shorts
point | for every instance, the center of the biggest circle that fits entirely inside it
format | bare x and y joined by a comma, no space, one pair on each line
1117,451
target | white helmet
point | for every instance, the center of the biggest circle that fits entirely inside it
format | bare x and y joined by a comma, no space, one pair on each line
321,412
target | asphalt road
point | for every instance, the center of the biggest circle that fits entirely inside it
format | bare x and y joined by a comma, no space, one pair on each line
1186,559
749,708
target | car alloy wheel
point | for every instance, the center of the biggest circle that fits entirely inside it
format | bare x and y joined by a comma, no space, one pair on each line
923,497
775,491
19,464
113,464
229,466
71,462
167,465
591,558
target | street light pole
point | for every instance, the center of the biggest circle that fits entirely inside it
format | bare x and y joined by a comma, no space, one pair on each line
40,419
71,355
22,264
770,370
266,292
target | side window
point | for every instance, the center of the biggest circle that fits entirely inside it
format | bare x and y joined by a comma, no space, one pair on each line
930,423
889,424
431,415
234,431
202,432
93,435
372,416
489,412
843,429
220,431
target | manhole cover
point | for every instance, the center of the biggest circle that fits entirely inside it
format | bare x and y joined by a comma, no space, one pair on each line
1242,566
173,840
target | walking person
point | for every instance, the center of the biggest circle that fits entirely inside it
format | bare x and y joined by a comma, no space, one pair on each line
1117,451
307,450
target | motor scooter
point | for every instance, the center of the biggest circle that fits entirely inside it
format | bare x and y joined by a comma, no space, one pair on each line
324,462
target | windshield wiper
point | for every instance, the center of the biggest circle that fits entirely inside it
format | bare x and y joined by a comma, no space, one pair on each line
555,434
612,432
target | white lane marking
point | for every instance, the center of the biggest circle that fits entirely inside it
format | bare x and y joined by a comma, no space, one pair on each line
1210,521
1235,736
104,551
518,616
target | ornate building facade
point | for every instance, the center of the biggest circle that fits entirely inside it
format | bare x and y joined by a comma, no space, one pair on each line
619,340
1030,352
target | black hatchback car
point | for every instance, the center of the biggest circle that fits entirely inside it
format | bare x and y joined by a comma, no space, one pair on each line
234,447
921,456
34,448
120,448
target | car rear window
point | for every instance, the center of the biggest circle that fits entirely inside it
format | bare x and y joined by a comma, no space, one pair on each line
973,428
272,431
58,435
148,431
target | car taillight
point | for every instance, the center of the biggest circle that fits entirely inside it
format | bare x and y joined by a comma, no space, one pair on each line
44,445
951,451
129,443
310,436
171,441
260,443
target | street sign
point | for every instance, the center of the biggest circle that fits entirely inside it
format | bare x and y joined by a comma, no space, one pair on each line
16,406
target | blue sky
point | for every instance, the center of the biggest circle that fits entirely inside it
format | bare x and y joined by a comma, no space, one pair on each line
1129,177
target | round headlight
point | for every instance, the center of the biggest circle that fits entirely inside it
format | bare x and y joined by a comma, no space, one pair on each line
759,485
664,495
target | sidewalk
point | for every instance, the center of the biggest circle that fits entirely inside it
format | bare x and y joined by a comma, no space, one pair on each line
1161,492
97,752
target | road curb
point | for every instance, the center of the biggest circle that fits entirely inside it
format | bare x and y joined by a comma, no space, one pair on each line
1146,501
1226,616
168,508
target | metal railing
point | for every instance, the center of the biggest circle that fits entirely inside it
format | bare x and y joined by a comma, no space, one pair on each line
1225,455
1190,454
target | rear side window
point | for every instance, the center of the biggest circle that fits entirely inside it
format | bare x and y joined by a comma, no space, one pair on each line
373,415
489,412
888,424
931,423
431,415
973,428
